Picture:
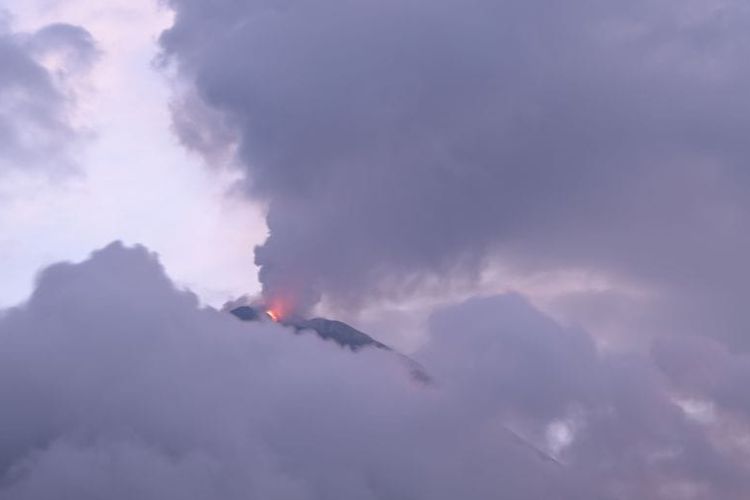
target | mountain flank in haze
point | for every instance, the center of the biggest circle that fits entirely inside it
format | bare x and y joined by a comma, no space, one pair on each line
338,331
327,329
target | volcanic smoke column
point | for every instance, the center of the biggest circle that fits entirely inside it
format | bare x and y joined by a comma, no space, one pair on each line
400,140
289,288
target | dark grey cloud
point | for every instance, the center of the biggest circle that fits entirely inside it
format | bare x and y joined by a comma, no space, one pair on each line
401,139
35,105
115,384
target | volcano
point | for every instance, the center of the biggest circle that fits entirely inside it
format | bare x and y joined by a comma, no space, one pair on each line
349,337
343,334
327,329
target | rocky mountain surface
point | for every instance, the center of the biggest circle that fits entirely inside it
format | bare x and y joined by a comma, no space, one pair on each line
327,329
338,331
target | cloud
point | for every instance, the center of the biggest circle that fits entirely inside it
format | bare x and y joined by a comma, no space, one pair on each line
116,384
36,124
628,434
73,44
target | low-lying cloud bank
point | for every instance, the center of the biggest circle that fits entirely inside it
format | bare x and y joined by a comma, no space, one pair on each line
114,384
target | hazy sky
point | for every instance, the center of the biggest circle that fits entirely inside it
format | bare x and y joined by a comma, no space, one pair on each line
131,179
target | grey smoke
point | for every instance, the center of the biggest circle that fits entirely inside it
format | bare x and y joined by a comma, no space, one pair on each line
115,384
398,140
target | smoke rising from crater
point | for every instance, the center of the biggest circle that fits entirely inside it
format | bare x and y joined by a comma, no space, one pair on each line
399,140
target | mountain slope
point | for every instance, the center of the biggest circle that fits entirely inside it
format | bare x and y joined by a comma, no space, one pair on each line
327,329
338,331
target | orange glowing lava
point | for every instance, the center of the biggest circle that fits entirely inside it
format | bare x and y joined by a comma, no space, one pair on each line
274,315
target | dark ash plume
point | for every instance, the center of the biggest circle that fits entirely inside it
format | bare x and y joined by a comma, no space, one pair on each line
398,140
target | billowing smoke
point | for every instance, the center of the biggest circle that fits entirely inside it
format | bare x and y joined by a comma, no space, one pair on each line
114,384
36,126
402,139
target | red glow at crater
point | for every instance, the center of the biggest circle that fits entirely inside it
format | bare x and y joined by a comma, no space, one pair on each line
274,314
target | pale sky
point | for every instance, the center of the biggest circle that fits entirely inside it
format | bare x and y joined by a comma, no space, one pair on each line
185,213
